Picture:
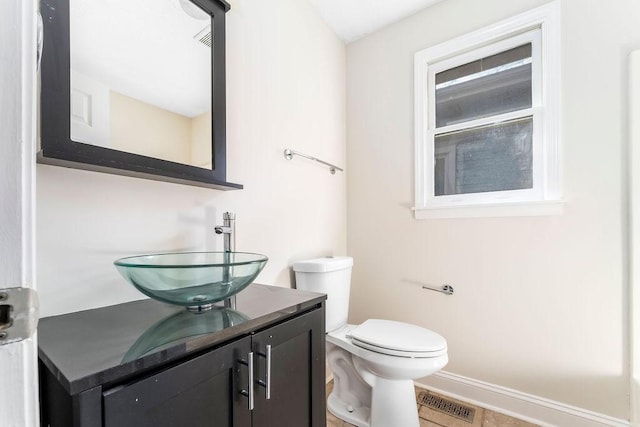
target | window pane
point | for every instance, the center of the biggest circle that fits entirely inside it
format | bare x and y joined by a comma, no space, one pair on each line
498,157
493,85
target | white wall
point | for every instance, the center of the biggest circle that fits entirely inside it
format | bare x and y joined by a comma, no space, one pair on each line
285,88
634,306
540,303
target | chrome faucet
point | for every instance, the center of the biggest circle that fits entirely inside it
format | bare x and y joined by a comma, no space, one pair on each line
228,231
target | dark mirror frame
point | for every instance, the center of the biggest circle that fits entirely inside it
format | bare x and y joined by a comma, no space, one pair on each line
56,146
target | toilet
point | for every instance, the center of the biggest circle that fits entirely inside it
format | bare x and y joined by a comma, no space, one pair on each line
374,363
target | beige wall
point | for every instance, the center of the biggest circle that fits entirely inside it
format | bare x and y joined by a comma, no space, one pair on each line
285,88
540,303
141,128
201,140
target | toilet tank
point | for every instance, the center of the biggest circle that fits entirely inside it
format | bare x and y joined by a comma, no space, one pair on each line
331,276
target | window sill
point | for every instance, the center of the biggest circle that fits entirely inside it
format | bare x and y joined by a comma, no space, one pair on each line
538,208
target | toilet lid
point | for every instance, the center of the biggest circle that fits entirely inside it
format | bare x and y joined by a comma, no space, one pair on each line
398,339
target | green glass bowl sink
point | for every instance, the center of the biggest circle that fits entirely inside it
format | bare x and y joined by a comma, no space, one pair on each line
191,279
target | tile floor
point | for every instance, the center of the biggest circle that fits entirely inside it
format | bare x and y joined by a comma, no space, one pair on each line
432,418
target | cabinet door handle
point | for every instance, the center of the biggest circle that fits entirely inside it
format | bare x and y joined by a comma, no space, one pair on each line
249,392
267,384
250,380
268,389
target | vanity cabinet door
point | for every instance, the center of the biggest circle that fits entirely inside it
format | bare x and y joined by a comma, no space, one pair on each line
297,380
202,392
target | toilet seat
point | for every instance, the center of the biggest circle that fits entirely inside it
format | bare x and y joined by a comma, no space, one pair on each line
398,339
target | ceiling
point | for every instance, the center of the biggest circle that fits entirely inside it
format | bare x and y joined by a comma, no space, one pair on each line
145,49
353,19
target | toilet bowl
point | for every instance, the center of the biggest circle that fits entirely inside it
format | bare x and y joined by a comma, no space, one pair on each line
374,363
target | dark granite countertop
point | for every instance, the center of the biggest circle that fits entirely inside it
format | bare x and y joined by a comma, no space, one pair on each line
106,345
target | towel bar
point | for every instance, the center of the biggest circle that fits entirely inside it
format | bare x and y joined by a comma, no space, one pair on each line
288,154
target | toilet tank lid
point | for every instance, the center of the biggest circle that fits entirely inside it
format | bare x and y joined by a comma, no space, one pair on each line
323,265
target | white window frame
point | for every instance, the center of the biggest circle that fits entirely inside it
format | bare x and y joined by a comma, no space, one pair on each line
541,28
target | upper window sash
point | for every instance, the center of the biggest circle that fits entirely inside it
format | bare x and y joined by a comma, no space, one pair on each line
532,37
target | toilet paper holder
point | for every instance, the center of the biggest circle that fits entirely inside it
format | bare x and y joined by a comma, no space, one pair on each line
445,289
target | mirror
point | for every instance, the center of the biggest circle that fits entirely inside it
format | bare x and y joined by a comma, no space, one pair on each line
152,98
143,82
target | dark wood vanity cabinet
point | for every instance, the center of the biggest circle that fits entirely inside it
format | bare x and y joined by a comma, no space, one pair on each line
296,352
203,391
213,386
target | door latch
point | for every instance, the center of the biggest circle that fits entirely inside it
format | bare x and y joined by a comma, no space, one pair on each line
18,314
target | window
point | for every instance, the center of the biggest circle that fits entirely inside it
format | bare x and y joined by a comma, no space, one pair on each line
487,108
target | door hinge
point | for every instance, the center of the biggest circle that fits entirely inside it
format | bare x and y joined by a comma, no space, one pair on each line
18,314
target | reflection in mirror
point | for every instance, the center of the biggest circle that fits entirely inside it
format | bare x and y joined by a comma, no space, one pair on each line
179,327
142,85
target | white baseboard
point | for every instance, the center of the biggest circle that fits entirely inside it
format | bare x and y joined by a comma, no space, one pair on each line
527,407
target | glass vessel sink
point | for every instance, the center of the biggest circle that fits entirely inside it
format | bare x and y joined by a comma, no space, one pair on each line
192,279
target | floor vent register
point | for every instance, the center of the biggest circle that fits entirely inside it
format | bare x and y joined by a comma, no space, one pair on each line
446,406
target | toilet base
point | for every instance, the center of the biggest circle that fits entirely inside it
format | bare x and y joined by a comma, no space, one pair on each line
357,416
393,402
